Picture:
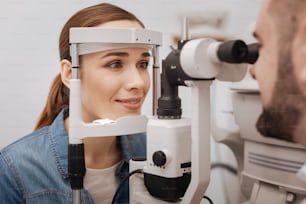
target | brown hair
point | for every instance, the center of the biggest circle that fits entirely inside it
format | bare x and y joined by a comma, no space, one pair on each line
92,16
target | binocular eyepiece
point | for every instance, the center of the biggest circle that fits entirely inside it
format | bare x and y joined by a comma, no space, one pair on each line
236,51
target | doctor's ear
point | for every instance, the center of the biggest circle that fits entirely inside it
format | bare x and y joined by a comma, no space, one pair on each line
66,72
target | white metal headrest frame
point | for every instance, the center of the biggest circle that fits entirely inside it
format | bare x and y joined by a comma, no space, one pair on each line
85,40
95,39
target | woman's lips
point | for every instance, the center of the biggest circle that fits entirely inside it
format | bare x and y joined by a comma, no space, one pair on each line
130,103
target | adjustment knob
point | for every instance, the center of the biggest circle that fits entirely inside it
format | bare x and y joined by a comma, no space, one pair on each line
159,158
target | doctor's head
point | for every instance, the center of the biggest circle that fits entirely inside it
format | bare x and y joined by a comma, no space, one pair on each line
114,82
281,69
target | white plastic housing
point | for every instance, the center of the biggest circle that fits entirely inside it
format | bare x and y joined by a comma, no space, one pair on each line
172,137
199,60
196,62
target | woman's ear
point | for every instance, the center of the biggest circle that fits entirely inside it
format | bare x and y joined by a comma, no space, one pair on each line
66,72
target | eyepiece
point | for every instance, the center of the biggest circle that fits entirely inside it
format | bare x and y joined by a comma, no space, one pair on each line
234,51
253,53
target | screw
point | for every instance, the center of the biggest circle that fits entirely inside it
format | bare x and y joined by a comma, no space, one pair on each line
290,197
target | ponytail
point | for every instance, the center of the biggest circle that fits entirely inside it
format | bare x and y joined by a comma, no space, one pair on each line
58,99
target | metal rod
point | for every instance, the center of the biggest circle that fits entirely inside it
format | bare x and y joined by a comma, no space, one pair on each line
156,80
185,29
76,196
76,193
74,60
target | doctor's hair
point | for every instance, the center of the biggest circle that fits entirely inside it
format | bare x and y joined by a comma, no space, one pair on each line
92,16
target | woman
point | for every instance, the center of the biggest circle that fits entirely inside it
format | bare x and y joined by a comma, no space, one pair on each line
114,83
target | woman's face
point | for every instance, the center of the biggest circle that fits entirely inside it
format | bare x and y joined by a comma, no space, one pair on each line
114,83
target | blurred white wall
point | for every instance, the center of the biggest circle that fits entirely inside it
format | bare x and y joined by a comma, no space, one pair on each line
29,56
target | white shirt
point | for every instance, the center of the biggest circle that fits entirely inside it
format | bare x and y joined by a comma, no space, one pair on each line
101,184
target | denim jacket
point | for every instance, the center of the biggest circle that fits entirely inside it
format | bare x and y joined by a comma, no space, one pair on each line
34,169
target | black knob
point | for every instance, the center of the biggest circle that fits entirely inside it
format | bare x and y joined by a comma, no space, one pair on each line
159,158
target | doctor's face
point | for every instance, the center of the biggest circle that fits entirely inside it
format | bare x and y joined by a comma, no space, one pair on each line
283,102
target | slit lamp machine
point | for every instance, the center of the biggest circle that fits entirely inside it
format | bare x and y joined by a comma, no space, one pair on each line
176,170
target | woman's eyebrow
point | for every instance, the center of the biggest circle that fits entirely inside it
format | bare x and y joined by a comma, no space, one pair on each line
145,54
117,54
124,54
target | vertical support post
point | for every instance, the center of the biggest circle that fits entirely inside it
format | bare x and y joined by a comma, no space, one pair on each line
74,60
76,158
185,29
156,80
200,142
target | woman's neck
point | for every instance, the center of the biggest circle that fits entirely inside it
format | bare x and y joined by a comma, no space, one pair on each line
101,152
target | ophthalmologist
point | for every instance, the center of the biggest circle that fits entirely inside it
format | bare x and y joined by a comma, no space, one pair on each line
281,70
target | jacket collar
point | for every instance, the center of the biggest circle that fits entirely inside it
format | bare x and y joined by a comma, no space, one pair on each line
59,143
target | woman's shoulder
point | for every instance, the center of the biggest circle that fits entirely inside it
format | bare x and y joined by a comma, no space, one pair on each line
39,139
15,157
28,141
29,159
35,151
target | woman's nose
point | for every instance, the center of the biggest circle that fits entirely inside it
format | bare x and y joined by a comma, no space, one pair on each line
136,79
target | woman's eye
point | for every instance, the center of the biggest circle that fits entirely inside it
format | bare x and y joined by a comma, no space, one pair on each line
143,65
114,64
